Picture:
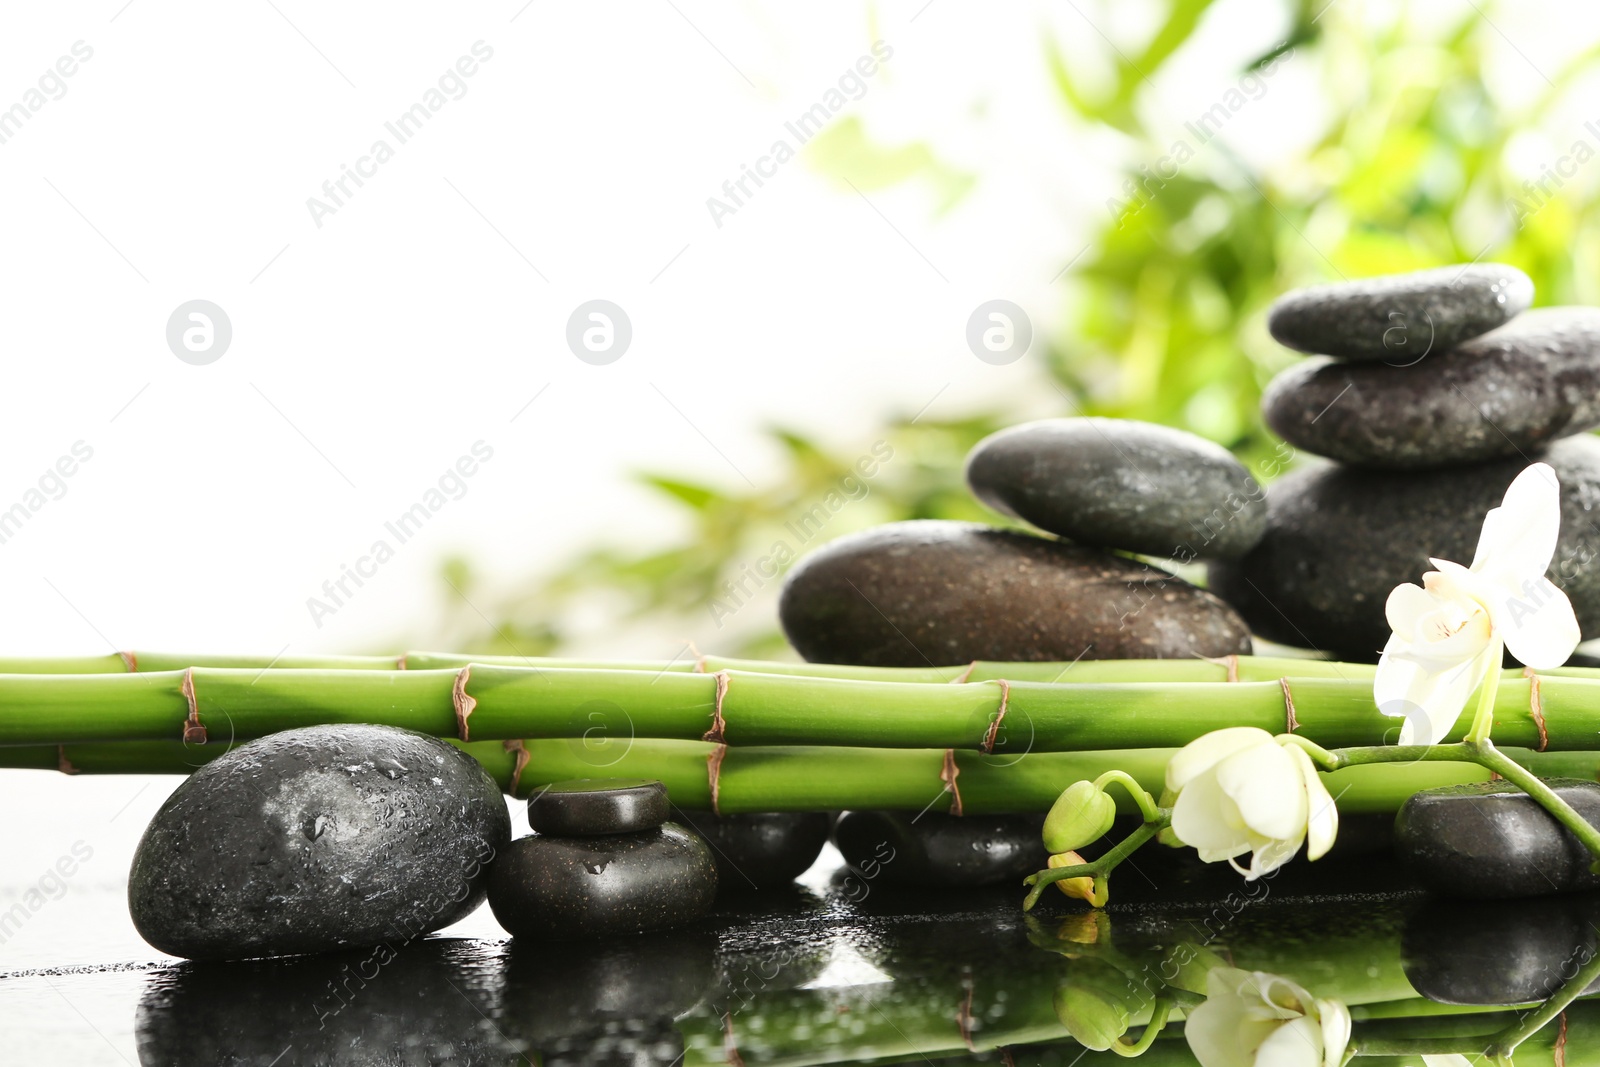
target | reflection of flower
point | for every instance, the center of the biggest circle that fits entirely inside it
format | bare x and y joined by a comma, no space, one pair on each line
1097,1003
1255,1019
1239,790
1448,631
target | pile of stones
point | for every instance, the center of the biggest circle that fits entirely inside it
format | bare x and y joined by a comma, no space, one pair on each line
1430,391
927,592
368,838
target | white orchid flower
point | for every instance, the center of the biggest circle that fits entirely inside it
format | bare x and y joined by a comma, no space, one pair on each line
1239,790
1448,631
1256,1019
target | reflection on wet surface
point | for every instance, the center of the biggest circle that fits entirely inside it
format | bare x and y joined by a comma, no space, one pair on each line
834,974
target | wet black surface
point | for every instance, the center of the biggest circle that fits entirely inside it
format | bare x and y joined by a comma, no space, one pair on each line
840,968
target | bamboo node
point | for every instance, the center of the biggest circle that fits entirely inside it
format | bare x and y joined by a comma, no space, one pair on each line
130,661
948,775
964,1017
730,1044
1230,663
463,702
964,675
1291,722
1536,707
1559,1057
194,731
400,661
522,755
63,764
714,773
999,716
719,725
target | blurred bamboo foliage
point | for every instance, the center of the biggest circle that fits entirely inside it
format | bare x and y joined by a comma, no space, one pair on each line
1166,308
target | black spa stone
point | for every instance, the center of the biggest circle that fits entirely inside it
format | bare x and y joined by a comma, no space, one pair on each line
585,806
567,888
1117,483
1492,841
1340,538
936,850
429,1002
1484,952
762,849
316,839
930,592
1503,395
1400,318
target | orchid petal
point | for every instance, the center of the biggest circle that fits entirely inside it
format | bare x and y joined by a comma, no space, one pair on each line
1294,1044
1520,535
1265,785
1205,752
1429,698
1335,1031
1539,627
1205,818
1406,606
1322,824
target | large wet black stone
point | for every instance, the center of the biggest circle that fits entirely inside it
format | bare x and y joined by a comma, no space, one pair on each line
426,1003
1117,483
315,839
1493,841
935,850
585,806
1486,952
1505,394
761,849
1339,539
1400,318
564,888
911,594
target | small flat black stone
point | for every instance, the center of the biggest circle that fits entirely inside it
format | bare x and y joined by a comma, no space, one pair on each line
1493,841
567,888
1117,483
763,849
582,807
935,850
1400,318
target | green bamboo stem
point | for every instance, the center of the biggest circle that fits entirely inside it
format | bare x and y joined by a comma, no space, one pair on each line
757,708
761,778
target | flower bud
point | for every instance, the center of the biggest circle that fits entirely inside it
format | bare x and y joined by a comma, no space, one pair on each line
1083,887
1080,816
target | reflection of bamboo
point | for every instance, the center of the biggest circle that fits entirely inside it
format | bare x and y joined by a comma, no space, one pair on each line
760,778
484,702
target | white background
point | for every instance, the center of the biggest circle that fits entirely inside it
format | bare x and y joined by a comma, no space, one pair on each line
370,353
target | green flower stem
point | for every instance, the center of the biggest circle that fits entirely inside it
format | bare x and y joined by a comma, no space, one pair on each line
1482,752
757,708
1505,1043
1096,869
1158,1020
1146,803
1483,718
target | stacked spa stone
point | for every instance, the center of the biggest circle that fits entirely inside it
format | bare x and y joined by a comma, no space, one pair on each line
936,593
1430,392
